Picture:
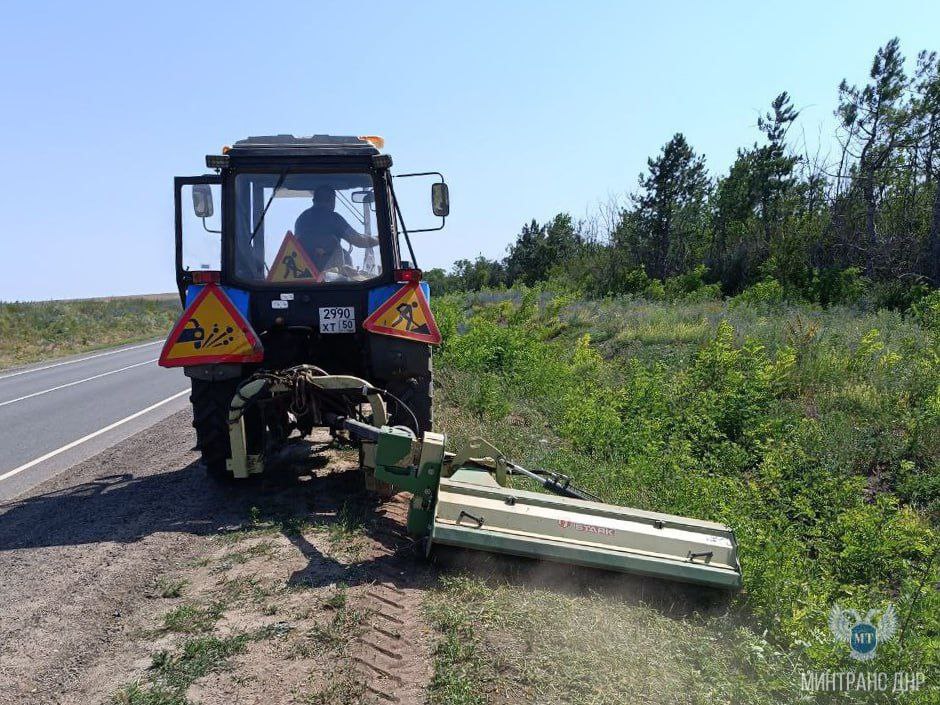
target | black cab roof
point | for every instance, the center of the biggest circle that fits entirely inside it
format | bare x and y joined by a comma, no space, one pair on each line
315,145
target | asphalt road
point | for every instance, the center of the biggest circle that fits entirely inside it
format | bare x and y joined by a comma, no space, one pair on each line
58,413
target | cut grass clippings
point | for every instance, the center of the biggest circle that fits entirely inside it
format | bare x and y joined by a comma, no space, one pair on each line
504,643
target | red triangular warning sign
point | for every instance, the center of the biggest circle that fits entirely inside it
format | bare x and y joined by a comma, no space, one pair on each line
211,330
293,262
405,314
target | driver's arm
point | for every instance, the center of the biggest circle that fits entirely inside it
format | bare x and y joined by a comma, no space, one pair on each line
357,239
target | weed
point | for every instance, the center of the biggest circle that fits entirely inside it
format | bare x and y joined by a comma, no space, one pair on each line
172,674
347,533
343,686
191,618
171,587
544,646
262,549
337,600
247,587
345,625
266,521
198,656
293,525
138,694
271,631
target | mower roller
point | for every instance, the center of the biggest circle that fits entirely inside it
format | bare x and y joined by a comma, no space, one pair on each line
286,296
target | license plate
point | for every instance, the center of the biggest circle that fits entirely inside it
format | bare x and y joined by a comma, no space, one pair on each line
338,319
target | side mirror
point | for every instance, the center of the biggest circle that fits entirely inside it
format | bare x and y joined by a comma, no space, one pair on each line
202,200
440,199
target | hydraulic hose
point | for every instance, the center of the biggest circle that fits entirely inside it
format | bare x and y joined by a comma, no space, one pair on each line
553,482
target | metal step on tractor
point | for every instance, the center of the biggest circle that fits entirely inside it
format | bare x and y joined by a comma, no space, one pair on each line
302,310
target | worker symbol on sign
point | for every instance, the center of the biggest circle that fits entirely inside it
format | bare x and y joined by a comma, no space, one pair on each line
406,311
292,262
405,314
292,270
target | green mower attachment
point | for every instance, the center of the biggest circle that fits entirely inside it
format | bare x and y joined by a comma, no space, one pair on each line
463,499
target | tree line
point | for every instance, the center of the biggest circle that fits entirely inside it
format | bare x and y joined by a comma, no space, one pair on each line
816,228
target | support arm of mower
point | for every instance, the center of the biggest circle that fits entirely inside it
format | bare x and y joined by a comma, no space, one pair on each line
484,454
302,382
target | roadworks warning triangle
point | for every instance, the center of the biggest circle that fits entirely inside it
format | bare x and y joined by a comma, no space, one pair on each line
405,314
211,330
293,262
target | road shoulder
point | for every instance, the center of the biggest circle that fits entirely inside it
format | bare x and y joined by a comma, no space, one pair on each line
133,577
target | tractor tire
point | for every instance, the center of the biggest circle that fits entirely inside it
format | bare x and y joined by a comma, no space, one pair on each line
405,368
211,401
418,393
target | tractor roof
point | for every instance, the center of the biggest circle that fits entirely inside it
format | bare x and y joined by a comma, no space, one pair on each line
317,145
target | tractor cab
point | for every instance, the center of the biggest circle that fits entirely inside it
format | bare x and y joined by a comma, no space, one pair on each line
315,213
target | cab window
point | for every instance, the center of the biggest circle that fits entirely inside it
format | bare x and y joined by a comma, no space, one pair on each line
306,229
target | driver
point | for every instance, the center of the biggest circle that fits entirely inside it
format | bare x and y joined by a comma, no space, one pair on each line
321,231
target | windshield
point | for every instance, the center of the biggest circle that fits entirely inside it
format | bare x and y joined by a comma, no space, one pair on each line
305,229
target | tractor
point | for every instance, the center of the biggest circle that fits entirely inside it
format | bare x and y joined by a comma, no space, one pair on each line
302,310
310,241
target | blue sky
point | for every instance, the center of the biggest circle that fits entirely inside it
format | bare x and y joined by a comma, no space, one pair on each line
529,108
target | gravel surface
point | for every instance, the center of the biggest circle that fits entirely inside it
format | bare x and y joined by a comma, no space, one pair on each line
82,557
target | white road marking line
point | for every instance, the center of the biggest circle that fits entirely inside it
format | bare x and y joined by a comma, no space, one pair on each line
109,427
80,381
81,359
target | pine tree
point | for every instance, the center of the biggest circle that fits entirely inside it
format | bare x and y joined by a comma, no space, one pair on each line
671,209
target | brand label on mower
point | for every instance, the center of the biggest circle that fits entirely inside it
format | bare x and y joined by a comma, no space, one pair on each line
587,528
338,319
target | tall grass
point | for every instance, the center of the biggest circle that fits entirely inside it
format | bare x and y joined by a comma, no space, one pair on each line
814,433
41,330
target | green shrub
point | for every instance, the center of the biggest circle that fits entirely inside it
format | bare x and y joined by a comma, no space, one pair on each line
690,286
897,294
655,291
768,292
837,286
632,281
927,311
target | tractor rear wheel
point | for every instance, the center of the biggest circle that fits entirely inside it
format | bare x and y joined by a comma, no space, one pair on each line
211,401
417,392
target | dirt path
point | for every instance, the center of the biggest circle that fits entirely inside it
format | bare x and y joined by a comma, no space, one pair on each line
132,578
